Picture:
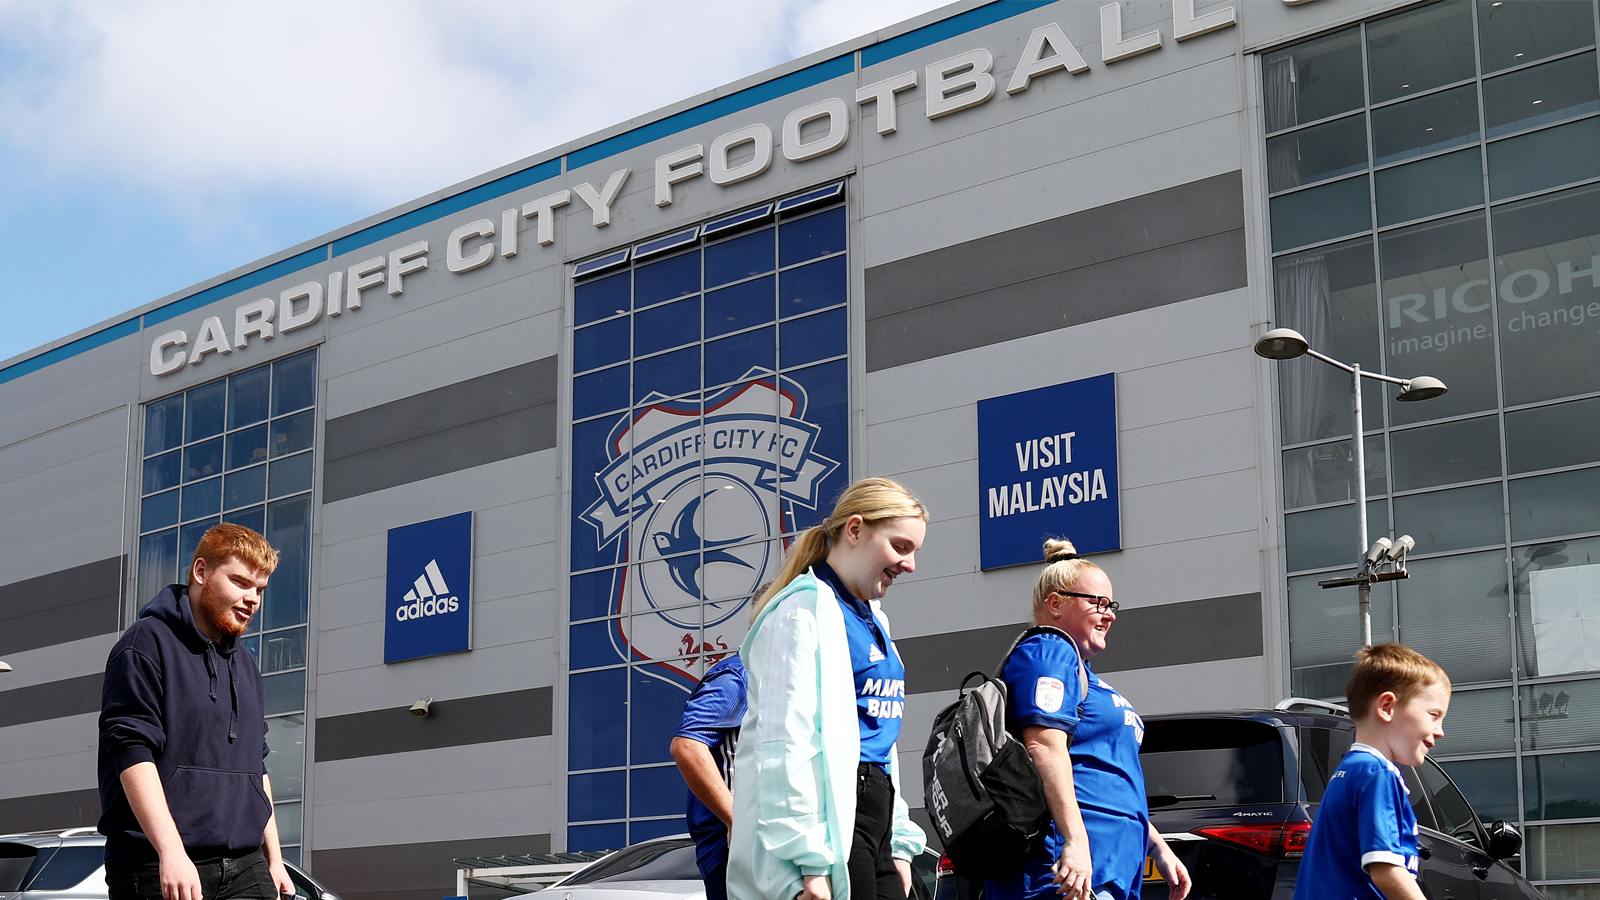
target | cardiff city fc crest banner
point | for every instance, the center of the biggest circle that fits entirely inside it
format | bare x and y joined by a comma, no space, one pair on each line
692,494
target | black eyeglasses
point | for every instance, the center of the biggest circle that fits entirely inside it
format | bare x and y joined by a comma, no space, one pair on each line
1101,604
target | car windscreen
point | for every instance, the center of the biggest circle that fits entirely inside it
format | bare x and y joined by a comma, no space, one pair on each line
1192,763
656,861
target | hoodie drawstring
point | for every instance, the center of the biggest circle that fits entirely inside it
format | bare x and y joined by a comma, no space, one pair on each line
211,669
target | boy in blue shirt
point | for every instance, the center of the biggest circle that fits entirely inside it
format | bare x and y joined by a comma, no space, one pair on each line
1363,844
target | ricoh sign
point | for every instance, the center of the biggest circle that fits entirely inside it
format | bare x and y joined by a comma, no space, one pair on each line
812,131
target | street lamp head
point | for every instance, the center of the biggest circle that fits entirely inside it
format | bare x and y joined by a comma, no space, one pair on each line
1422,387
1281,343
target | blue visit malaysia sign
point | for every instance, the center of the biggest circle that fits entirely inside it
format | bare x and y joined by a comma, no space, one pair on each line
1047,467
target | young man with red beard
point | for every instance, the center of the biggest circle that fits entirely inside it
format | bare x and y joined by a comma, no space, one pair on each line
186,804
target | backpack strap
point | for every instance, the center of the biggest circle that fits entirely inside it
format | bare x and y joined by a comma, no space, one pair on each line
1083,672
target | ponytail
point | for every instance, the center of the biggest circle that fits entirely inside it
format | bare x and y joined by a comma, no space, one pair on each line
873,499
1063,568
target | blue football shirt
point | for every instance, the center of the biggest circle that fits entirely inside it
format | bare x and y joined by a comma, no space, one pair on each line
1365,818
880,676
711,716
1043,689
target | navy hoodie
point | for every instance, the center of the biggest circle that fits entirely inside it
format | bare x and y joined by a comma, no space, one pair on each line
195,709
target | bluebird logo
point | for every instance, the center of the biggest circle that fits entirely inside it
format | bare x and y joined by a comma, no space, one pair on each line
694,492
428,596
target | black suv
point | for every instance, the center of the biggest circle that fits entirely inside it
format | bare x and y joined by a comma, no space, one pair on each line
1234,794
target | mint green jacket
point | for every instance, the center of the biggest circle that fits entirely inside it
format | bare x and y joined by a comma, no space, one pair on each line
794,773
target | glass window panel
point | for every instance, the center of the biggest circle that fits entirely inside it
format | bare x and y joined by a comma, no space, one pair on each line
1514,33
666,279
1490,785
655,709
1325,473
286,692
207,411
159,511
1320,213
244,487
1454,610
1552,505
1560,786
1452,520
1436,314
812,338
1429,187
202,498
1562,851
1325,633
247,446
746,255
811,237
596,594
597,719
281,650
290,476
1326,537
594,644
247,396
828,406
294,383
202,460
292,434
1558,607
1541,95
600,345
600,392
254,518
814,286
1425,125
252,643
657,791
1313,79
1421,49
1317,153
1561,714
730,358
289,532
668,375
671,325
601,298
1548,267
654,828
1465,450
591,445
288,819
1479,722
1544,159
188,539
740,306
286,736
597,837
1552,437
158,563
597,795
163,425
162,472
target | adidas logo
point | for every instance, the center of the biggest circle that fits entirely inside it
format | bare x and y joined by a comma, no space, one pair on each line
874,654
429,595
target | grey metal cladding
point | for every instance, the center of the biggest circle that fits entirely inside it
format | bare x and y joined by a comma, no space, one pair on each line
422,871
63,606
450,723
51,700
41,812
1143,252
481,420
1170,634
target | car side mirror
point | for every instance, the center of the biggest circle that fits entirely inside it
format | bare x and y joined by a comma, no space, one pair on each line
1505,841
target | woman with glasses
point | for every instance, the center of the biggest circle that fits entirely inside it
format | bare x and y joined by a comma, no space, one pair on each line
1086,748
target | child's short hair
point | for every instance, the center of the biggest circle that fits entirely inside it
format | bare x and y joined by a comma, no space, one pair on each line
1390,667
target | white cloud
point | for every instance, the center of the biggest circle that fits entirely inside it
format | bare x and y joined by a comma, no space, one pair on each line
373,102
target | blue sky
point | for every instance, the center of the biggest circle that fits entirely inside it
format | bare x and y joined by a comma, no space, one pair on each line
147,146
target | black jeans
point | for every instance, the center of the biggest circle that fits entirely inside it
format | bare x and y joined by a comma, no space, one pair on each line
872,871
245,877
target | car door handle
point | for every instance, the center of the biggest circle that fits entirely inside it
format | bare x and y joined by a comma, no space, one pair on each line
1481,871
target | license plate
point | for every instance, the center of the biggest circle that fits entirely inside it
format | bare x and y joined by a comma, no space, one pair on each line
1151,873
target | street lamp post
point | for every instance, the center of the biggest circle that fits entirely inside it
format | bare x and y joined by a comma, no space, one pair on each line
1286,343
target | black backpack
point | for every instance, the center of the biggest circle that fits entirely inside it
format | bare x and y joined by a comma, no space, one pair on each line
981,789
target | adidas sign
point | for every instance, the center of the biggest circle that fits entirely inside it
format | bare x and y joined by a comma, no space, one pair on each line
429,596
